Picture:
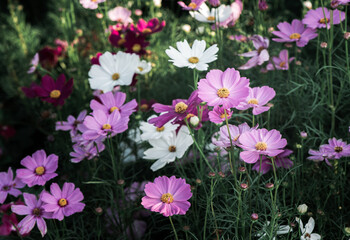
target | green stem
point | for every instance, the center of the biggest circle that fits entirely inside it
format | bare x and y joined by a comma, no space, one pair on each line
174,230
212,207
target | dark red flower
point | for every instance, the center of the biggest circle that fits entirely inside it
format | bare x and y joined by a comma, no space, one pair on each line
145,105
95,60
48,57
7,131
135,44
117,38
30,91
54,92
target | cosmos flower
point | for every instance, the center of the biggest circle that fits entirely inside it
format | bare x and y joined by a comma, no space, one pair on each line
320,18
306,233
89,151
321,155
149,131
167,150
113,70
193,5
196,57
236,10
110,102
8,185
135,43
261,142
223,88
281,62
294,32
117,39
217,115
91,4
222,138
144,67
72,123
63,203
135,190
282,229
281,160
204,14
120,14
258,56
167,196
39,168
146,28
337,148
34,63
35,214
257,99
54,92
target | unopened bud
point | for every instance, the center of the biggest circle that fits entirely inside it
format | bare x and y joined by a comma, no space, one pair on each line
98,210
347,35
211,174
242,169
347,231
244,186
323,45
186,228
303,134
307,4
302,208
198,181
221,174
269,185
186,28
254,216
120,182
194,121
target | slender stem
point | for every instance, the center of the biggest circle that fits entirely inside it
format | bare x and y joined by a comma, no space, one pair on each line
195,78
250,231
174,230
212,207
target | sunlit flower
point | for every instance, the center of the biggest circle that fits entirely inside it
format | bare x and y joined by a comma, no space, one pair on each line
147,27
193,5
91,4
204,14
236,10
222,138
306,233
149,131
144,67
258,56
281,160
217,115
120,14
321,18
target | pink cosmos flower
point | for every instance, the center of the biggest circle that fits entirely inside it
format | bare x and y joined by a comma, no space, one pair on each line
321,155
120,14
8,185
218,114
192,6
89,151
146,28
214,3
258,56
281,62
100,124
39,168
63,203
337,148
258,97
110,102
72,123
223,137
236,10
281,160
295,32
34,63
239,38
261,142
135,43
54,92
167,196
178,111
320,18
35,214
91,4
223,88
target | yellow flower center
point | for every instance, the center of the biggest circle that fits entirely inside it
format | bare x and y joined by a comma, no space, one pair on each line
223,92
36,212
121,41
161,129
222,116
167,198
112,109
115,76
62,202
282,64
40,170
192,5
181,107
146,30
338,149
172,148
144,107
136,47
236,138
140,69
193,60
295,36
189,115
324,20
211,18
253,101
55,94
261,146
106,126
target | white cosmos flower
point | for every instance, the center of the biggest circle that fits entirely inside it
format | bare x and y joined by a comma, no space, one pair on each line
167,150
143,67
306,233
204,14
113,70
282,229
194,57
149,131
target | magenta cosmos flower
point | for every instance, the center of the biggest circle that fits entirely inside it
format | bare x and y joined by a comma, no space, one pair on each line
337,148
261,142
281,160
39,168
63,203
295,32
193,5
167,196
8,185
258,56
72,124
54,92
35,214
217,115
100,124
223,88
258,97
281,63
321,18
146,28
110,102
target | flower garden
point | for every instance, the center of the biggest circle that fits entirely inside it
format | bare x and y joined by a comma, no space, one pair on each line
194,119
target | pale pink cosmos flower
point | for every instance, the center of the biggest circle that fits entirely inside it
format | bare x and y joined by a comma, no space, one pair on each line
8,185
281,160
261,142
120,14
236,10
258,56
91,4
223,139
167,196
39,168
72,124
217,115
89,151
223,88
257,99
321,18
281,63
35,214
63,203
193,5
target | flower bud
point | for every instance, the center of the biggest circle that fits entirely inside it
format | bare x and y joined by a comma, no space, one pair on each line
194,121
347,231
120,182
211,174
303,134
198,181
307,4
186,28
222,174
98,210
302,208
263,5
254,216
269,185
347,35
242,169
244,186
323,45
